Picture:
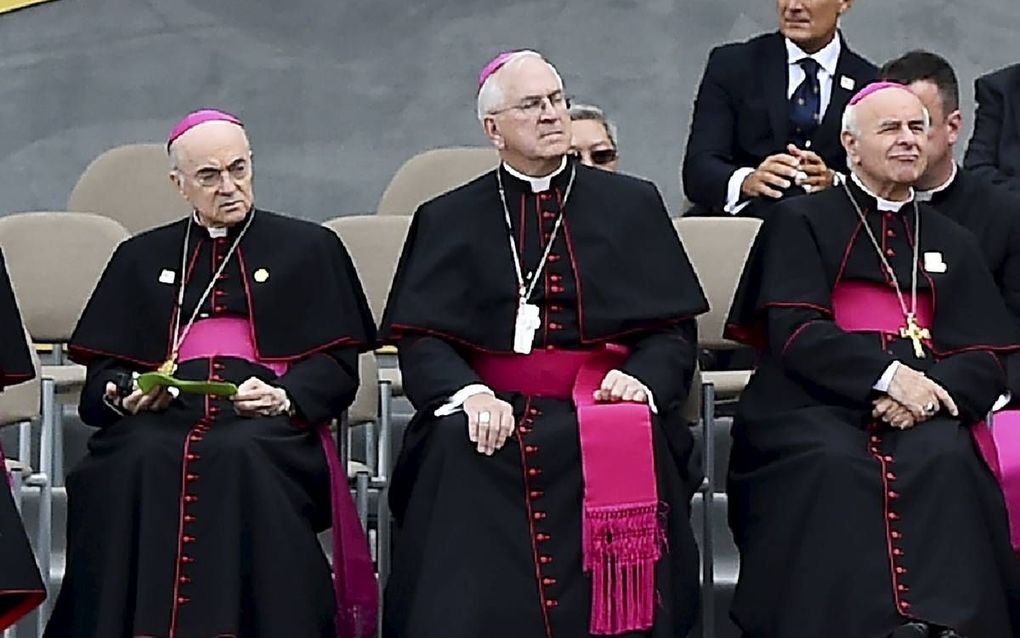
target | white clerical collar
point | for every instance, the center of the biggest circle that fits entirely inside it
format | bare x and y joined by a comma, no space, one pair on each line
884,205
538,184
827,57
926,196
214,233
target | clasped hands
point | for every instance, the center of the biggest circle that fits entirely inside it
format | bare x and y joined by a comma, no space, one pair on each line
912,398
490,420
254,397
780,171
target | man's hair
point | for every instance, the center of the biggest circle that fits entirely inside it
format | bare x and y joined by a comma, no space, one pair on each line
594,113
919,65
490,95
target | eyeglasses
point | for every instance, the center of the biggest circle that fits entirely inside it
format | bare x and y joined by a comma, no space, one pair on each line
535,104
238,171
601,157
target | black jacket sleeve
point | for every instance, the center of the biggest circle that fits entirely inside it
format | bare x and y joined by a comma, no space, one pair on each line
983,150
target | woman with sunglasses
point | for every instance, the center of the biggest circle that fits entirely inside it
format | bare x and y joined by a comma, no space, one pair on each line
594,137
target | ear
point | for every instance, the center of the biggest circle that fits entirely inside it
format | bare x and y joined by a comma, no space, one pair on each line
177,180
844,6
954,123
491,129
850,145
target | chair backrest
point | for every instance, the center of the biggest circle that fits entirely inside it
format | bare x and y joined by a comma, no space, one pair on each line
433,173
130,184
365,408
55,260
21,402
375,244
718,248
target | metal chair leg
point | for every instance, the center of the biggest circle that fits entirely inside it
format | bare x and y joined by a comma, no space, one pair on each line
708,499
361,482
44,538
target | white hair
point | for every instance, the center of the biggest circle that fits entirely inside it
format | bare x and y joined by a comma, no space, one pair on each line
491,96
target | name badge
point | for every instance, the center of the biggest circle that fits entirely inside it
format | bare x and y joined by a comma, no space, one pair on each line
847,82
167,276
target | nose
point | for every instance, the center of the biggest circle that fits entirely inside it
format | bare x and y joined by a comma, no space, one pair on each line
227,184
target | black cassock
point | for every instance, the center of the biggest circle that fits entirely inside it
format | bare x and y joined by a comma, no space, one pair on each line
992,213
848,528
21,588
195,522
490,546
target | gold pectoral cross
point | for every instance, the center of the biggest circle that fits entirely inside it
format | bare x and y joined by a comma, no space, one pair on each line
169,366
915,333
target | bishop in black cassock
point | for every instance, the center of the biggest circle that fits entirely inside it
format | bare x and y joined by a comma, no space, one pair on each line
196,515
21,588
858,499
507,543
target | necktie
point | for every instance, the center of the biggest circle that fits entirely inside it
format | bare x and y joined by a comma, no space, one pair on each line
805,105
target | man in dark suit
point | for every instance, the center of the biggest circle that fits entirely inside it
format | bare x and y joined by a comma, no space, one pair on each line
767,117
994,149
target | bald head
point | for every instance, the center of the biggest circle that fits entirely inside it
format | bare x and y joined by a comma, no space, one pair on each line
885,135
212,171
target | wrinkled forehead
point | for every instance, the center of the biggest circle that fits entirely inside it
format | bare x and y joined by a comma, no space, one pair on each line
212,144
529,76
887,107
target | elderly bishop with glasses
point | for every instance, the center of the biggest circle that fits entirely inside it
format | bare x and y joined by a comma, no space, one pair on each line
859,499
547,342
218,349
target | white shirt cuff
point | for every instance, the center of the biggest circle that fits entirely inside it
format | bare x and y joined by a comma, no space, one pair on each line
1002,401
733,204
882,385
456,402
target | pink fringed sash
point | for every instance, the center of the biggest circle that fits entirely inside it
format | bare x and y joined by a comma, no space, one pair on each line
354,583
622,536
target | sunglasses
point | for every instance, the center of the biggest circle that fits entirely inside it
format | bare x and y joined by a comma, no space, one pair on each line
600,157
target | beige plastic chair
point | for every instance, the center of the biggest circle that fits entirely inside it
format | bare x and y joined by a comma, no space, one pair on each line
433,173
718,249
130,184
19,405
374,243
54,261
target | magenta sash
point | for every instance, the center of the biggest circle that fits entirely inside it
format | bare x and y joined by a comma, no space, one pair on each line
622,536
1000,445
868,307
354,583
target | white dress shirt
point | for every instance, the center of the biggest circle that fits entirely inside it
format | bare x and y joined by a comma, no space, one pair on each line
827,58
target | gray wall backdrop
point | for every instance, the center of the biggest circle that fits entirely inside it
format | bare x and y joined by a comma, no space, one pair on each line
337,94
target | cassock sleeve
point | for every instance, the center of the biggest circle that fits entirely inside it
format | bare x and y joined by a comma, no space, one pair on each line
92,407
433,370
973,379
323,385
784,305
664,362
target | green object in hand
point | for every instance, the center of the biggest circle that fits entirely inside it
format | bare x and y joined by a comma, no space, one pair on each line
150,380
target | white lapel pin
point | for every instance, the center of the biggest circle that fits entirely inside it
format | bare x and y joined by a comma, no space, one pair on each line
167,276
933,263
847,82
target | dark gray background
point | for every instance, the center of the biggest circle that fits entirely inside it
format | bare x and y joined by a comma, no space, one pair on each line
336,95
